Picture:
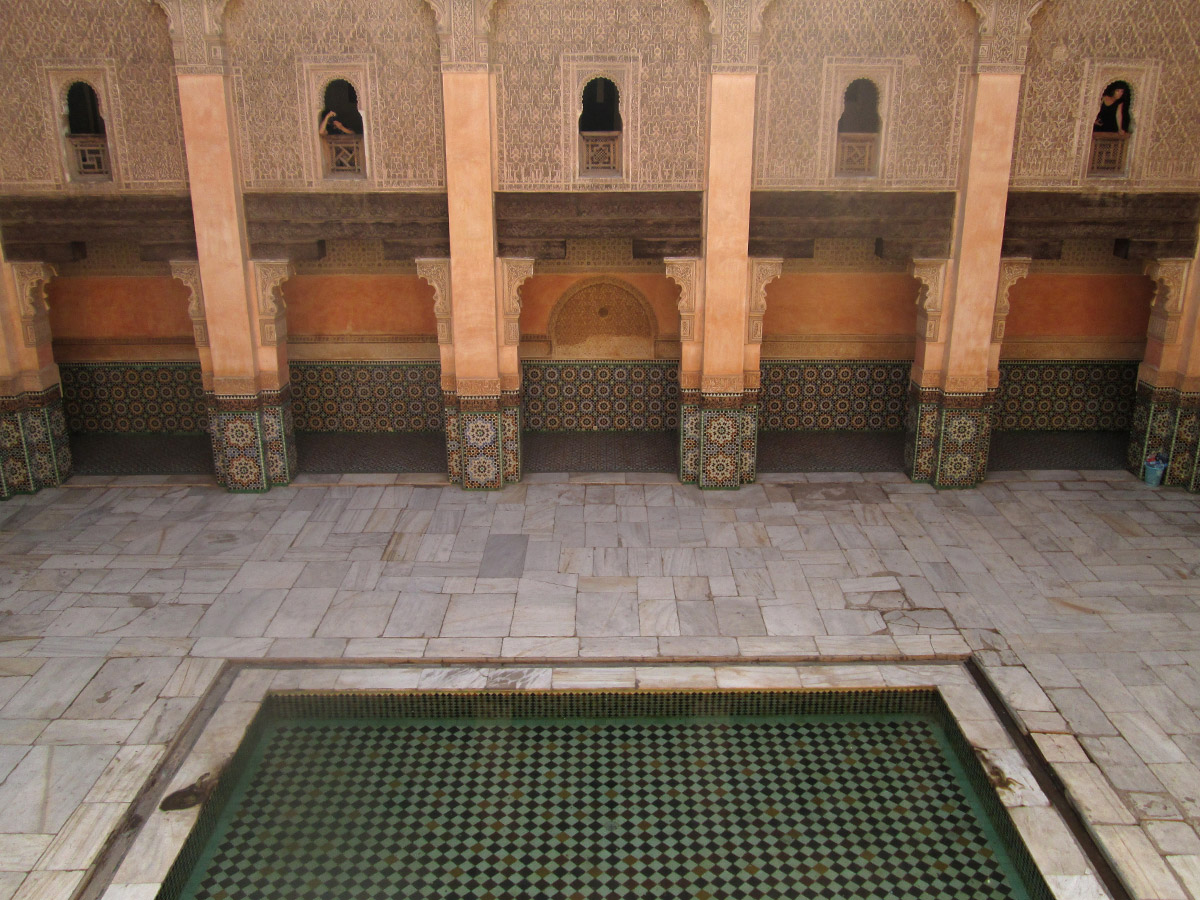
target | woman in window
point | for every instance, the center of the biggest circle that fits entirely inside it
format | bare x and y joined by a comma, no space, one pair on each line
1113,117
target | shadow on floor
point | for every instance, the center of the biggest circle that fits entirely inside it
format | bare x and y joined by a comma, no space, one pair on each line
831,451
600,451
1012,450
141,454
337,453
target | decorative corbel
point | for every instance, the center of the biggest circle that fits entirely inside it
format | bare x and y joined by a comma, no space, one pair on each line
685,272
762,272
187,273
269,276
514,271
1169,277
1012,270
33,280
931,273
436,274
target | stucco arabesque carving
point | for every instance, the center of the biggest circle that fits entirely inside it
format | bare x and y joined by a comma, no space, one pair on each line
33,279
187,273
1004,30
462,29
931,274
436,274
762,272
685,272
1012,270
1169,277
514,272
197,35
269,276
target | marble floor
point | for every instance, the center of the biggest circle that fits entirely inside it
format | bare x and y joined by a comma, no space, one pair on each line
1077,592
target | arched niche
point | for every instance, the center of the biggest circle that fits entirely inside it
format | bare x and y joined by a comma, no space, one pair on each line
603,318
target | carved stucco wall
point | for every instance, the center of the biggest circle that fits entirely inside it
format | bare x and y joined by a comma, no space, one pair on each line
125,44
656,51
283,53
1079,46
918,52
602,320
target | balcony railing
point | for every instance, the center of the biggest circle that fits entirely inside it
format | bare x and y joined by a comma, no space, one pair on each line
856,154
343,155
600,153
89,154
1108,153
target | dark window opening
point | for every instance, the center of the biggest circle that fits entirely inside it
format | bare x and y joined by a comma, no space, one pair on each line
340,114
601,107
1113,117
860,109
83,110
1110,131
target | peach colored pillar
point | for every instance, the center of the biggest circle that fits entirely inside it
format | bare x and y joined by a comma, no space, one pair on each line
34,451
249,403
949,427
719,427
482,431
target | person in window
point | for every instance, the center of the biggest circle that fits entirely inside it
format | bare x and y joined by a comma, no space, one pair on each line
331,124
1113,117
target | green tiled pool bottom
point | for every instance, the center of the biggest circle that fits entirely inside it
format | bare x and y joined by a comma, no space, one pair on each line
870,794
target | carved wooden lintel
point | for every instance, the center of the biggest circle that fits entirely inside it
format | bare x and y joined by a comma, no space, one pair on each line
931,273
762,273
436,273
514,271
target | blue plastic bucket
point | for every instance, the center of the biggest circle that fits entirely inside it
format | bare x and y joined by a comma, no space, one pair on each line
1154,473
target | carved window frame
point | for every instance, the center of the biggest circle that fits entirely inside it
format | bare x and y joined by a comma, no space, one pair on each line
624,71
317,75
100,77
1142,76
837,76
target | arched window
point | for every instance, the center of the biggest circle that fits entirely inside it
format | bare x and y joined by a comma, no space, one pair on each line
86,138
1110,131
600,129
341,129
858,130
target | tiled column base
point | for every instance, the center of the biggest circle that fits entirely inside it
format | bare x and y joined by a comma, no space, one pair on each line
34,450
483,441
718,440
947,437
254,447
1167,421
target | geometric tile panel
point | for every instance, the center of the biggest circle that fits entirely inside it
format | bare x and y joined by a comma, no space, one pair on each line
600,395
947,437
480,443
689,442
489,808
510,439
253,440
1066,396
1167,421
825,395
34,448
921,422
367,396
134,397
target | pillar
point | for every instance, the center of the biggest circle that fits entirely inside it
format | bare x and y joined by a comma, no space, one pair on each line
719,422
249,400
34,451
953,380
1166,416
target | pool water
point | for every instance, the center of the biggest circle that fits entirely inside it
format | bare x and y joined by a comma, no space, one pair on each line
841,804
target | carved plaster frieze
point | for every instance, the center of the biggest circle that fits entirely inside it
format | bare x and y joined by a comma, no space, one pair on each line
722,384
197,35
931,273
187,273
462,29
762,272
436,274
269,276
514,271
685,272
1169,277
1004,30
33,280
1012,270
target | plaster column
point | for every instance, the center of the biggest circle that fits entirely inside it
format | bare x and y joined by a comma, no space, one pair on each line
34,451
719,425
1166,416
249,397
949,421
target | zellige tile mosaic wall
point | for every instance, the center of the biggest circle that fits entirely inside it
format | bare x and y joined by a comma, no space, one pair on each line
1054,395
367,396
600,395
828,395
140,397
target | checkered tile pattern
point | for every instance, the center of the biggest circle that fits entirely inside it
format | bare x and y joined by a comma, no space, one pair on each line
820,807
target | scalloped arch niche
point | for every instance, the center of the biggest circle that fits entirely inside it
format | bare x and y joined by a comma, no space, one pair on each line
602,320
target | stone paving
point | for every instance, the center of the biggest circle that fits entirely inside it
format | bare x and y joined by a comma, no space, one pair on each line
1077,591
